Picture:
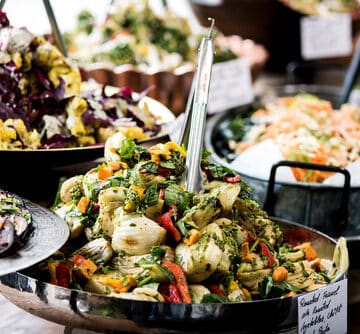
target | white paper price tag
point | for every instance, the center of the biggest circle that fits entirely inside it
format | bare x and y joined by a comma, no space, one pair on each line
325,37
324,311
230,85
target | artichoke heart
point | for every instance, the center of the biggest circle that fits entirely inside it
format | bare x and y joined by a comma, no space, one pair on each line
251,279
201,259
227,192
110,147
144,294
71,188
197,292
136,234
98,250
203,212
109,200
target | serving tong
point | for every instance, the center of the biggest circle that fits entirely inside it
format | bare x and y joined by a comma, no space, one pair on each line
193,130
59,40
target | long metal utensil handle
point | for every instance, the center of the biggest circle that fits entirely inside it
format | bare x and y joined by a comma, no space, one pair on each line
185,128
350,76
193,178
59,41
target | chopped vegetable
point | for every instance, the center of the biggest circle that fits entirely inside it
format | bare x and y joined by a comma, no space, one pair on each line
44,104
165,221
84,268
180,280
60,273
306,128
149,239
265,252
280,274
83,204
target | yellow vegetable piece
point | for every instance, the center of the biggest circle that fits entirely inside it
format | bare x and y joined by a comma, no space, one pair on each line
134,132
75,108
140,191
233,286
175,147
122,284
194,235
16,58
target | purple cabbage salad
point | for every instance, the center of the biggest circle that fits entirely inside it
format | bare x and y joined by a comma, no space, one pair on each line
43,104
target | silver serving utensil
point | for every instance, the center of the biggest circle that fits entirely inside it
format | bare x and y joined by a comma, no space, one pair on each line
183,139
193,178
59,40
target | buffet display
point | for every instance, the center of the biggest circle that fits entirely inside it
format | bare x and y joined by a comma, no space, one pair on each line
134,34
130,244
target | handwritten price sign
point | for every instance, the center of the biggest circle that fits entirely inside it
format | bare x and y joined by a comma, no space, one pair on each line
230,85
324,311
325,37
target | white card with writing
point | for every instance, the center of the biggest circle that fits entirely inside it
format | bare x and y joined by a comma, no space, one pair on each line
230,85
324,310
325,37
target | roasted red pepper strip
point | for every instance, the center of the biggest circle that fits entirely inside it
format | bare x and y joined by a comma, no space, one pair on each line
170,292
174,294
162,193
265,251
180,280
165,221
216,289
63,274
233,179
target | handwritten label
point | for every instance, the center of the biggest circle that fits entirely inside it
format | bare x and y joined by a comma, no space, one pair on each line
230,85
324,311
325,37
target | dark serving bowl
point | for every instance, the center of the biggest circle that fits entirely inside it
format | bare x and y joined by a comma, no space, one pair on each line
333,210
35,174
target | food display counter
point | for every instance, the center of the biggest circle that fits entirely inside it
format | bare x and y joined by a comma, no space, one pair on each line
140,230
